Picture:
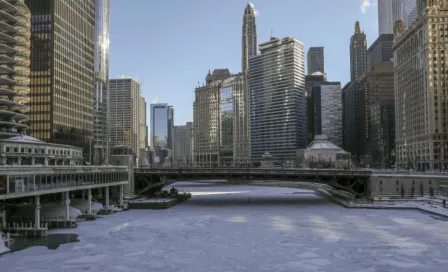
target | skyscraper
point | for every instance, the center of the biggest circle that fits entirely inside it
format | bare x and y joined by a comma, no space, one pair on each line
143,139
389,11
249,36
278,106
101,89
408,11
162,123
312,81
421,90
358,53
315,60
62,71
331,111
124,113
183,144
380,50
14,68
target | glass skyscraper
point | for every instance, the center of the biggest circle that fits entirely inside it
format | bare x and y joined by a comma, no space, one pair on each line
278,105
162,123
62,71
101,89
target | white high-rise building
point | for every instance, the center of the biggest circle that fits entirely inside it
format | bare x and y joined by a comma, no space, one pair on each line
389,11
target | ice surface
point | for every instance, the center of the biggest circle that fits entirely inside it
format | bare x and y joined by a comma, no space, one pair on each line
245,228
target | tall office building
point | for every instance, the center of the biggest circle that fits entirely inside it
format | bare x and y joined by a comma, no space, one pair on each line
420,89
14,67
315,60
408,11
183,144
380,50
143,138
331,111
389,11
278,105
354,119
241,117
249,44
358,54
124,113
161,138
101,89
62,71
311,81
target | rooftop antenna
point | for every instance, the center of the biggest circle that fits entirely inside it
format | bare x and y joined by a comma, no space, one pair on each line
271,33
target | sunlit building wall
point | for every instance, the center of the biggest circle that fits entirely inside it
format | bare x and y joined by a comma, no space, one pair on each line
124,108
421,89
62,71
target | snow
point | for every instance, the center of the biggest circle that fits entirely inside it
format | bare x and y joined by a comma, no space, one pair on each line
247,228
3,248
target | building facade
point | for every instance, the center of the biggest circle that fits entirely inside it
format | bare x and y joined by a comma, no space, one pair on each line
311,81
62,72
382,120
124,117
278,104
331,111
14,68
249,43
183,145
101,89
161,138
380,50
408,11
143,128
420,88
206,115
315,60
358,54
389,11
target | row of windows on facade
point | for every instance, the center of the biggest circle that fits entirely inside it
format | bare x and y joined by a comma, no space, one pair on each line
42,151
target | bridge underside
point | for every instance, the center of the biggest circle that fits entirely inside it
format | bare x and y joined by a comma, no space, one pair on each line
354,184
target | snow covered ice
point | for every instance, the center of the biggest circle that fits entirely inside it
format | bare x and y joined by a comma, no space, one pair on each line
244,228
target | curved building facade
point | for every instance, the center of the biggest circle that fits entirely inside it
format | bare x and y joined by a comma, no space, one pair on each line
101,89
15,22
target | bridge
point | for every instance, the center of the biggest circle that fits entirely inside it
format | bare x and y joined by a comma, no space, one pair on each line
353,181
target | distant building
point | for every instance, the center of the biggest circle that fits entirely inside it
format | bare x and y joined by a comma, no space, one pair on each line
183,145
314,80
380,50
408,11
389,11
331,111
278,104
249,36
124,113
162,124
358,54
315,60
143,128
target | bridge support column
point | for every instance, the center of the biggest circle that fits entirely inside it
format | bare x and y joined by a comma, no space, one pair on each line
67,206
121,196
89,197
107,197
37,212
83,194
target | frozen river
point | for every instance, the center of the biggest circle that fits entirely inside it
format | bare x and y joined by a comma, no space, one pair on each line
243,228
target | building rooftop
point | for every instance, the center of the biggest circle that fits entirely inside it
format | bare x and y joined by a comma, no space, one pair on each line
322,142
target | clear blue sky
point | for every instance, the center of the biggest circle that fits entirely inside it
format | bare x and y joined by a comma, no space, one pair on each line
170,45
